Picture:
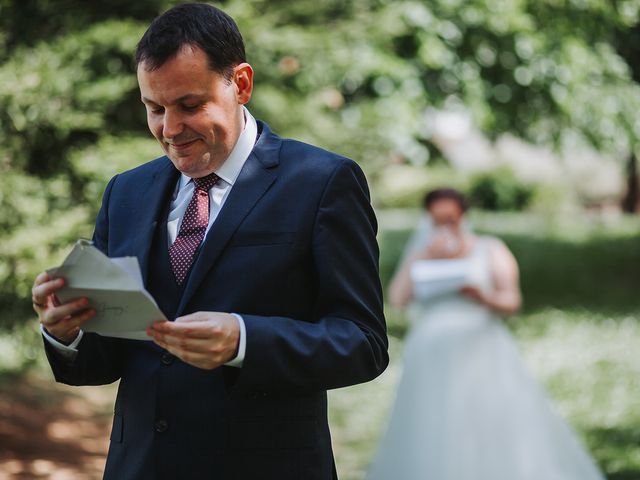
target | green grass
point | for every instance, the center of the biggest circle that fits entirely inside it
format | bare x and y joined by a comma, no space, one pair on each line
588,363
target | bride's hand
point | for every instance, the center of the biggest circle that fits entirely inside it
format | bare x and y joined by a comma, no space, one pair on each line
474,293
446,245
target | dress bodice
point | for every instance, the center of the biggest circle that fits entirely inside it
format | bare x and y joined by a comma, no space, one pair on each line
454,307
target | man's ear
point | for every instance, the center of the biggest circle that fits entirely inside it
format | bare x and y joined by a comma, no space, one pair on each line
243,81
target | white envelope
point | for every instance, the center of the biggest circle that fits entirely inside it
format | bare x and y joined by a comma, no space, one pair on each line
114,288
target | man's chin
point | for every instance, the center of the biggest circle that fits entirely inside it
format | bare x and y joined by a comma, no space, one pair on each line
191,167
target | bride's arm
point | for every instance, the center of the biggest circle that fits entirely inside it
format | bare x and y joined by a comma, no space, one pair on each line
505,298
401,287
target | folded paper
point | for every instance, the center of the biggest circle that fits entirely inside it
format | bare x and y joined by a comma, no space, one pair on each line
114,288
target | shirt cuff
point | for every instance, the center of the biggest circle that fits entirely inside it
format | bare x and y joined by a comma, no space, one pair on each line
70,351
242,344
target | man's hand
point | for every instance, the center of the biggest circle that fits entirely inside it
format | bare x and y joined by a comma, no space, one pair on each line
202,339
63,321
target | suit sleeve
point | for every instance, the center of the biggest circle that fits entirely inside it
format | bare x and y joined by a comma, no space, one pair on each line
99,359
346,342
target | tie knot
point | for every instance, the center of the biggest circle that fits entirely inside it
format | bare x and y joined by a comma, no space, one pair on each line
205,183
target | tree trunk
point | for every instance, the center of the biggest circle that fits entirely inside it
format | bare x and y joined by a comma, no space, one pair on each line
631,201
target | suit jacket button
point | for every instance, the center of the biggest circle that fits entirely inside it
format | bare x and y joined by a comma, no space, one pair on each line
161,426
167,358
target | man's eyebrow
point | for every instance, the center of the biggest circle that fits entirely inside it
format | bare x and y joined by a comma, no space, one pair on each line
147,100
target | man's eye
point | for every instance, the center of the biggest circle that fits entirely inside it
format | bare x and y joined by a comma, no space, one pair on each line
190,108
157,110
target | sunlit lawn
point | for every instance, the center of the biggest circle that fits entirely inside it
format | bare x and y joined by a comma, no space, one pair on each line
589,364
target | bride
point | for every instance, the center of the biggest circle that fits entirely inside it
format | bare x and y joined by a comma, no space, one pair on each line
466,407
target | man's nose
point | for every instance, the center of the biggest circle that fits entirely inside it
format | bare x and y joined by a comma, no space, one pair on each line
172,125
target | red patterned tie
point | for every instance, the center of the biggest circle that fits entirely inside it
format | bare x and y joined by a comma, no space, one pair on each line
194,224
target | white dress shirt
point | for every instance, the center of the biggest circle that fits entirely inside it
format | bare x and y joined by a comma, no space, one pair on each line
218,194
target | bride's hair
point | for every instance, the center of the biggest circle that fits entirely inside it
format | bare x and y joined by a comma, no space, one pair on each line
445,194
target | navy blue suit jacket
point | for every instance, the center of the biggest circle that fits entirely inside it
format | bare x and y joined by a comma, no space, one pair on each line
294,252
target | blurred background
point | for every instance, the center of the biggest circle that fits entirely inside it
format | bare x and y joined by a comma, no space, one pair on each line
531,107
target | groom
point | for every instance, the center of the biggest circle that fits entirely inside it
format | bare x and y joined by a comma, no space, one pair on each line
262,249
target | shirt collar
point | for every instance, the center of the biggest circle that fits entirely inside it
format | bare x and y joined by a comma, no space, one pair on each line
230,169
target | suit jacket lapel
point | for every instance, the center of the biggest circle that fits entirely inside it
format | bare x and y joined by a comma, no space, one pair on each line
254,180
154,197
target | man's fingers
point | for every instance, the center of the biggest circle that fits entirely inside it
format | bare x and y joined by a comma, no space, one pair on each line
195,317
202,339
191,329
76,321
54,314
41,278
37,305
41,291
67,329
202,360
69,326
201,345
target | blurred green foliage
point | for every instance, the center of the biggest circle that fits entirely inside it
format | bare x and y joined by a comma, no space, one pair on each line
404,186
353,76
64,93
499,190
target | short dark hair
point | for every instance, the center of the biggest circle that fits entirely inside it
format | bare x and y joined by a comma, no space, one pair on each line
196,24
445,194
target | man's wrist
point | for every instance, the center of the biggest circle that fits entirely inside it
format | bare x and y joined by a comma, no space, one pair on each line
66,343
58,343
238,360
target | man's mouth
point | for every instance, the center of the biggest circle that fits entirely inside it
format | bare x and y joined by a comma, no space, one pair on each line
183,145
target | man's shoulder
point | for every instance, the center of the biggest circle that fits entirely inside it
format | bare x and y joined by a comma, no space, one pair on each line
295,151
144,171
292,147
299,155
305,159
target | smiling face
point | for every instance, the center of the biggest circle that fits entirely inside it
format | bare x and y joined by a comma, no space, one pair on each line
194,112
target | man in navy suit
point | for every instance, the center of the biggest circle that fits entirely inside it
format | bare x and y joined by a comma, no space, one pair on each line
263,252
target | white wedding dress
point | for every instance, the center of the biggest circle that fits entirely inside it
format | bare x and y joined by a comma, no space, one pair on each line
466,406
